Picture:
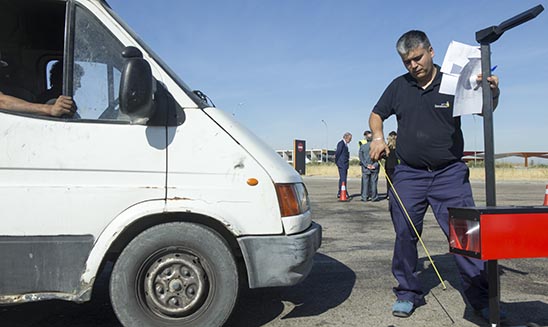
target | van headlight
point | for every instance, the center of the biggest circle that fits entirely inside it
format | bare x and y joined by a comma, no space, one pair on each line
292,198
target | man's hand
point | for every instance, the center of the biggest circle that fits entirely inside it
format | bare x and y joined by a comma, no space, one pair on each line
62,106
378,146
493,83
377,149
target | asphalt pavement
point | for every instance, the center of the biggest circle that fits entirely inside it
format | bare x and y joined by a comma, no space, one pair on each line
351,282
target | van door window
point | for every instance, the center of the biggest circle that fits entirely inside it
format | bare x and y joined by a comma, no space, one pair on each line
97,69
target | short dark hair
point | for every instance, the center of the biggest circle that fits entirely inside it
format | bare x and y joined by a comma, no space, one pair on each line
412,40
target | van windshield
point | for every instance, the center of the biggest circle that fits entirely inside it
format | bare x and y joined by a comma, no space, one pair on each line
159,60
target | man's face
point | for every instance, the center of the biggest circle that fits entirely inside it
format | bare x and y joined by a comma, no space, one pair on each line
419,62
368,136
348,138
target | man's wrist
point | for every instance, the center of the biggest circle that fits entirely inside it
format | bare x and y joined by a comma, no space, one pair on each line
378,139
43,109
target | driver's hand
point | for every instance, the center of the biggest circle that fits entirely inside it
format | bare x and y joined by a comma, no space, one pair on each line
62,106
377,149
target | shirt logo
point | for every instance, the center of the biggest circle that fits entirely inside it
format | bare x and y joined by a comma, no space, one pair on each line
444,105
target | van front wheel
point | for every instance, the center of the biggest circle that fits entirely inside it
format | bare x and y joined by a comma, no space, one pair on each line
175,274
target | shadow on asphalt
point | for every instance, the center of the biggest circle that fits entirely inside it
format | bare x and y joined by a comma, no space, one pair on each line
358,196
527,313
329,284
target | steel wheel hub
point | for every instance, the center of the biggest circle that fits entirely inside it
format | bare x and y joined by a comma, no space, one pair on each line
176,284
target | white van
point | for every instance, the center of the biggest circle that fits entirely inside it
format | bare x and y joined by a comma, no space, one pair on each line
188,204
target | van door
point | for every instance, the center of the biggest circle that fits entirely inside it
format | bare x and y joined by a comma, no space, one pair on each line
62,180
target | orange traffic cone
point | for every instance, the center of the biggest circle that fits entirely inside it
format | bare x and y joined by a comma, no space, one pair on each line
344,196
546,196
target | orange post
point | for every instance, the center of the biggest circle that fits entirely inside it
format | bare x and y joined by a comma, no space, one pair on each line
546,196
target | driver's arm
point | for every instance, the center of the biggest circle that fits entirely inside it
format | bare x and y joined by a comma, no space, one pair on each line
62,106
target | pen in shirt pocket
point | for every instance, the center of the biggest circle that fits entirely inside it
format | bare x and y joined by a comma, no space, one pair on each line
478,84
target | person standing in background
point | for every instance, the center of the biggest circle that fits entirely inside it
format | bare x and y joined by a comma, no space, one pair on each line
370,172
360,143
342,159
391,160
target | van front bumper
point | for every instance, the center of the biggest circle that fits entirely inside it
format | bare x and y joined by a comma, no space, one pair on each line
280,260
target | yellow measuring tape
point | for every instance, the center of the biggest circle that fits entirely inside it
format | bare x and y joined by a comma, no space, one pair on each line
413,225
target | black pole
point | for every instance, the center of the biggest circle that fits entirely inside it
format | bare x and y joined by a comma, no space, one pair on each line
488,130
493,277
485,37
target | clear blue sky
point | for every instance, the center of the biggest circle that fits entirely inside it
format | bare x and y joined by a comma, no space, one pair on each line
282,66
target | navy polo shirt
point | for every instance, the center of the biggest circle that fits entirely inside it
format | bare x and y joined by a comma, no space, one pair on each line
428,134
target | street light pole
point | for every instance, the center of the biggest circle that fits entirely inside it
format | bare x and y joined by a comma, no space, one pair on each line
326,142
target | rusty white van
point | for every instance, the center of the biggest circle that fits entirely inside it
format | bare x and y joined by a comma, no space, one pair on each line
186,205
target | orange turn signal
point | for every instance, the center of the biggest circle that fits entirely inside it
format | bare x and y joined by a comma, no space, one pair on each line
252,181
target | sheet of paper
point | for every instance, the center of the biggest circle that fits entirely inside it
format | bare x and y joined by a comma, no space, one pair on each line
457,57
468,94
449,84
461,65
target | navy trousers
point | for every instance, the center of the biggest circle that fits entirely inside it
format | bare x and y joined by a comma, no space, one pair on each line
418,189
343,172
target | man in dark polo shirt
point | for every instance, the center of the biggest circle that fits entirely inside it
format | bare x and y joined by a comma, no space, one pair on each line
431,171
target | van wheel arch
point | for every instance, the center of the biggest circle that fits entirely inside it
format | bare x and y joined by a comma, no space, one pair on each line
142,224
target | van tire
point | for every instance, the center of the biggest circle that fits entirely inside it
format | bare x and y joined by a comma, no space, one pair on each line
175,274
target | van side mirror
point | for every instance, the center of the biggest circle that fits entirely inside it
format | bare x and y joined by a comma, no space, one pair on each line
136,86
